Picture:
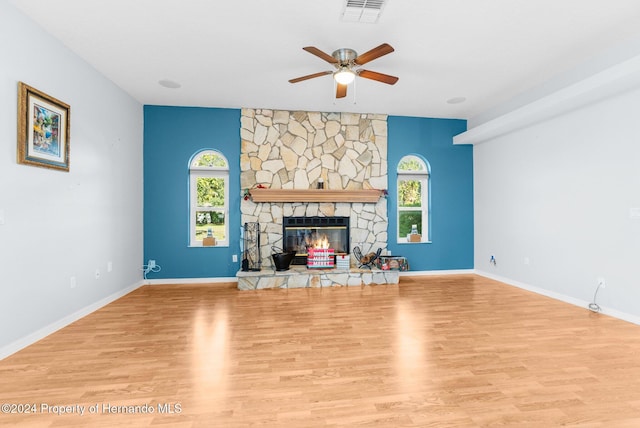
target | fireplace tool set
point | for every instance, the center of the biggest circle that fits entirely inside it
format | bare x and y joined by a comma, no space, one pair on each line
251,247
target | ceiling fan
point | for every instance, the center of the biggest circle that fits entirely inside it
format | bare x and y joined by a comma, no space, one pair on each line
345,61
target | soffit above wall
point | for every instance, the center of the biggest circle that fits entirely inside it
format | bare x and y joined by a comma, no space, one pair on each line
610,82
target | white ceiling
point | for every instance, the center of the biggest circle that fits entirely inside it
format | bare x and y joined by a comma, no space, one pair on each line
241,53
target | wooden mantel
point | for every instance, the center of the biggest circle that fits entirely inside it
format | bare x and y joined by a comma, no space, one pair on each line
315,195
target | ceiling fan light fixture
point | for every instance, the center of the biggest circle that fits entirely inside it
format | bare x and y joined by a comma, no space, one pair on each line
344,60
344,75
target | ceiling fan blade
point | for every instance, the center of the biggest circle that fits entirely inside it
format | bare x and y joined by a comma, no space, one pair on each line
317,52
374,75
341,90
309,76
374,53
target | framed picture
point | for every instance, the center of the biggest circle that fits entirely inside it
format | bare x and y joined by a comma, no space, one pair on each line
43,129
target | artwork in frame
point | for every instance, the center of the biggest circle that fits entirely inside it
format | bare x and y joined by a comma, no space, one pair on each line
43,129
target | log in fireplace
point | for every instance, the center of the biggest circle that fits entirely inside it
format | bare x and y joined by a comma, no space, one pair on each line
301,233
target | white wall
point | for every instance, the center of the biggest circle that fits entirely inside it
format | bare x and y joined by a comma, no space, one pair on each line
58,224
559,193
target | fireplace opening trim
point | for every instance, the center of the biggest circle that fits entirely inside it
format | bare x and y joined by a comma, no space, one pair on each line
299,233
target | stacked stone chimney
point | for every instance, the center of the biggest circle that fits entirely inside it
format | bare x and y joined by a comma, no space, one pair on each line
294,149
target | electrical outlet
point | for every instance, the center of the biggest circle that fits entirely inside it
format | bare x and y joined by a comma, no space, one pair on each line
151,264
601,282
234,258
526,260
109,266
72,282
97,273
492,260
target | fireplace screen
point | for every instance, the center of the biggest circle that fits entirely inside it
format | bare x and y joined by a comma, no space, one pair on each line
301,233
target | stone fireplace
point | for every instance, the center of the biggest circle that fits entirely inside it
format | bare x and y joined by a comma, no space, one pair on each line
294,150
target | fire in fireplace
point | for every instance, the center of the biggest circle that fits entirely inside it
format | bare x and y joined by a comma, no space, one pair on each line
301,233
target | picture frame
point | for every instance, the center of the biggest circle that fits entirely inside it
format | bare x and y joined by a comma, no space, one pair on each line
43,129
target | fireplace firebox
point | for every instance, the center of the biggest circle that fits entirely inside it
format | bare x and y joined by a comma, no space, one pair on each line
301,233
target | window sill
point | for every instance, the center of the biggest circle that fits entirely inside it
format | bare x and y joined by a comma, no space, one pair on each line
224,245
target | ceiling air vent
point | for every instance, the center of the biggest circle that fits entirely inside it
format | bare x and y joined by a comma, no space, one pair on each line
367,11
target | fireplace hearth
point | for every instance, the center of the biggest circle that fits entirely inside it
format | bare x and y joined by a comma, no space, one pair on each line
302,233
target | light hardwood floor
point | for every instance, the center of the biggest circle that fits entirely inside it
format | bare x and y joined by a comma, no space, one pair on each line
448,351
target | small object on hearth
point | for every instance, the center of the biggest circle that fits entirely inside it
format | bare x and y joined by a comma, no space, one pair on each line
342,261
282,260
392,263
366,260
320,258
320,183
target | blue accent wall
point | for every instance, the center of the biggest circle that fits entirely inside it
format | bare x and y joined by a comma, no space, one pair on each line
171,136
451,191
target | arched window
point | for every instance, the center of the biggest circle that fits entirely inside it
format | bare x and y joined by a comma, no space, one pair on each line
413,198
209,198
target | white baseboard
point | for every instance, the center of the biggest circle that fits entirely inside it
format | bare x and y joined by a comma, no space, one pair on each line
190,280
562,297
32,338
